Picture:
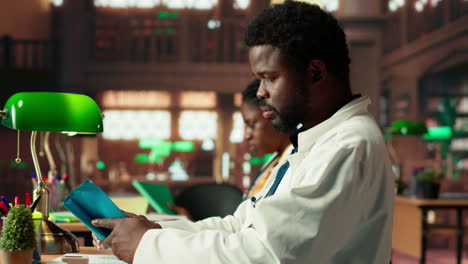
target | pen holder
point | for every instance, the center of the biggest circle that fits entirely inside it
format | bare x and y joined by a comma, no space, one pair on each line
58,193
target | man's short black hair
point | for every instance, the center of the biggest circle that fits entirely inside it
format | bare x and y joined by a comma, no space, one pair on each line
302,32
249,95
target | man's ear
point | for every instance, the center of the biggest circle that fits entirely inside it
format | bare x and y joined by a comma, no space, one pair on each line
316,71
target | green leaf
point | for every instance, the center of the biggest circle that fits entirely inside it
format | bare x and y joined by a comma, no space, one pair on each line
18,230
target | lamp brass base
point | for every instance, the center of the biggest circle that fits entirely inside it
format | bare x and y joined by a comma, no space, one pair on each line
56,240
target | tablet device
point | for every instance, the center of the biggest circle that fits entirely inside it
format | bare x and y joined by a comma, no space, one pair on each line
158,195
88,202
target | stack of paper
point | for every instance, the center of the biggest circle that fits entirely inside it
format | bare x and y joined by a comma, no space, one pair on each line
92,259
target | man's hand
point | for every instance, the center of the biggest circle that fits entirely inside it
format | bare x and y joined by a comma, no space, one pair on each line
126,235
98,243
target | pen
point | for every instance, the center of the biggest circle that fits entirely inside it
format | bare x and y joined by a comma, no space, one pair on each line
57,177
64,177
17,202
2,205
34,179
5,202
27,199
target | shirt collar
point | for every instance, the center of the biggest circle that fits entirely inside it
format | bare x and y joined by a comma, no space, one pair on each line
293,136
306,138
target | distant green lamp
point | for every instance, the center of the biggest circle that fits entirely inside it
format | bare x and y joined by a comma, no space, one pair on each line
401,128
439,133
183,146
408,128
52,112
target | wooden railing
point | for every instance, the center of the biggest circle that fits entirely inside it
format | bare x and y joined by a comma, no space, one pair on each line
142,37
26,54
407,24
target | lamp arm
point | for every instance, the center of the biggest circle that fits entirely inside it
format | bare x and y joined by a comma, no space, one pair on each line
61,154
34,157
3,113
41,188
48,153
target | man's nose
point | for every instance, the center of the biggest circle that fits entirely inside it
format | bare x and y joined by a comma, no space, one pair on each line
262,93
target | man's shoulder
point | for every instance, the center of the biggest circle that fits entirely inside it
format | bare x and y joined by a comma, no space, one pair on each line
355,131
360,124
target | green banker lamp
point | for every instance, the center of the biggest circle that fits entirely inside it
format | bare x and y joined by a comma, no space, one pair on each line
401,128
52,112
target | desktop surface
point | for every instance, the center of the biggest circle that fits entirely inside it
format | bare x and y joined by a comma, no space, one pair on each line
83,250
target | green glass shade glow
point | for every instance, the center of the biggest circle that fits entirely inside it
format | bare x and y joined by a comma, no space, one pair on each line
141,158
55,112
438,133
148,158
260,160
408,128
183,146
167,15
148,143
256,161
100,165
163,151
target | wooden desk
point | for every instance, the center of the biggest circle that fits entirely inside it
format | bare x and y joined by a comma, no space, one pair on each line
83,250
74,227
410,225
79,230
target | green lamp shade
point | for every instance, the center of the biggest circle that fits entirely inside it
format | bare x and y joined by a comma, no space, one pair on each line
148,143
55,112
438,133
183,146
148,158
141,158
163,151
408,128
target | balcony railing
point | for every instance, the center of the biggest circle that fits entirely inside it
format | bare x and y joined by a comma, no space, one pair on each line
413,21
18,54
152,36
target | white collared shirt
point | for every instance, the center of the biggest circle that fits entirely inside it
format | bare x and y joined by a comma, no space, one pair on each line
333,206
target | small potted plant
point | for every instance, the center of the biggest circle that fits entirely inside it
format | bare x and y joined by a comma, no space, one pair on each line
18,237
430,182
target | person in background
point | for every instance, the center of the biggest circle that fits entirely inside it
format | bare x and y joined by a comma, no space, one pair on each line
331,201
261,139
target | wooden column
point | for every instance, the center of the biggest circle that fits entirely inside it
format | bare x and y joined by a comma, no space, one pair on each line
225,110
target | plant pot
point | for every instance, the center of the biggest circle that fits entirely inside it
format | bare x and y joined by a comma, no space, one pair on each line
430,190
16,256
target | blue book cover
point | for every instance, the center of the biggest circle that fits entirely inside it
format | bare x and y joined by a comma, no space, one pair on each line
88,202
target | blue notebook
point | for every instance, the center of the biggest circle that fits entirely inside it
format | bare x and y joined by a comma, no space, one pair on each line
88,202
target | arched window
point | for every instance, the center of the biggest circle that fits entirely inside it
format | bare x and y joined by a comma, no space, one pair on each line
241,4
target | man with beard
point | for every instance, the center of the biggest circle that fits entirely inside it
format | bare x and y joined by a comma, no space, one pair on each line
261,139
329,202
